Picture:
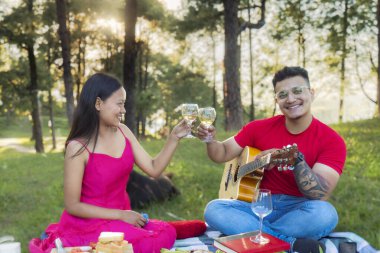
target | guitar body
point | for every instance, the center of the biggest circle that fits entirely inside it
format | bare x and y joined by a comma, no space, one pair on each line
232,187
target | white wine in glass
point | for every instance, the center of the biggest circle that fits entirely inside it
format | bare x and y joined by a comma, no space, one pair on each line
190,114
261,207
207,116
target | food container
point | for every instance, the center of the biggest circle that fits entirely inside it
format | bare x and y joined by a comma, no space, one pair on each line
10,247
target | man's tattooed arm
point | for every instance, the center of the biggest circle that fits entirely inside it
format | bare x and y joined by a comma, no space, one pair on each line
311,185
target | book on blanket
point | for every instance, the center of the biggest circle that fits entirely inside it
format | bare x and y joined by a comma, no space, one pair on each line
241,243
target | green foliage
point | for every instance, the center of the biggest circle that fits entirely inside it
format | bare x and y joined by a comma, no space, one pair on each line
343,25
152,10
14,94
177,84
168,85
31,185
15,79
98,8
201,15
364,15
292,18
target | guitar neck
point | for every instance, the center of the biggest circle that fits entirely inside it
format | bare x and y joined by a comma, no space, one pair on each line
254,165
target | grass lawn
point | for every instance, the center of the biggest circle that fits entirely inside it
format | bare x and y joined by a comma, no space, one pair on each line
31,185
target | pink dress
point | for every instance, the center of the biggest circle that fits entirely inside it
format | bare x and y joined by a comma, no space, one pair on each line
104,184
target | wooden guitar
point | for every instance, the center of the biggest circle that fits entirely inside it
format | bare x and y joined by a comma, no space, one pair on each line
242,175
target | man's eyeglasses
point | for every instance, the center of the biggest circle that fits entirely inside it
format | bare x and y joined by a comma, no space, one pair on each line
297,90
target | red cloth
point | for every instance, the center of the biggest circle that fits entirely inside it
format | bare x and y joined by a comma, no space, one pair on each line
188,228
319,144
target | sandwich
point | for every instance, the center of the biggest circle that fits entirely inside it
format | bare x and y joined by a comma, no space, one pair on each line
113,242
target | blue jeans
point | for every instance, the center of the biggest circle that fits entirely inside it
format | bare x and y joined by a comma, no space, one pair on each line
291,218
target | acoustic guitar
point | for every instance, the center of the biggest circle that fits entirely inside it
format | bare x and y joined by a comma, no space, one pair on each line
242,175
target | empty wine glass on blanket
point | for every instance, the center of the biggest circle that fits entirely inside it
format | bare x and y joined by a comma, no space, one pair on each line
261,206
190,114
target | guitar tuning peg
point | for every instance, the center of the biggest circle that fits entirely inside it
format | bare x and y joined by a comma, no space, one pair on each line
288,146
285,167
291,168
294,144
279,168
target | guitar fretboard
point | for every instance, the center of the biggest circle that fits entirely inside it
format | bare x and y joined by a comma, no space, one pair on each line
252,166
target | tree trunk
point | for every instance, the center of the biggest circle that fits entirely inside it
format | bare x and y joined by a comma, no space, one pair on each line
214,71
33,89
130,52
52,122
138,123
234,113
301,48
50,106
343,63
252,106
64,35
79,69
145,86
300,35
108,61
140,88
143,127
378,57
303,52
84,58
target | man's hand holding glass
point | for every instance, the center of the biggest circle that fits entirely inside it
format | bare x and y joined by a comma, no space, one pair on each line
206,131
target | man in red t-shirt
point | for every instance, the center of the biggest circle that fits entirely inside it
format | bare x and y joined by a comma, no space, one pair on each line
301,215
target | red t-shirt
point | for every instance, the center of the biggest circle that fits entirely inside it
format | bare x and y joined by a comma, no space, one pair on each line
319,143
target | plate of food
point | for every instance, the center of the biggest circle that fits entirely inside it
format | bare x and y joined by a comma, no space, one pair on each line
107,242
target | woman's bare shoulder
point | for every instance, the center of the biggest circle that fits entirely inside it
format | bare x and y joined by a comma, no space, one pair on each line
126,130
75,147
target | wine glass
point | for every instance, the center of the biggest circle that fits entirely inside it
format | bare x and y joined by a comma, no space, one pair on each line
207,116
190,113
262,206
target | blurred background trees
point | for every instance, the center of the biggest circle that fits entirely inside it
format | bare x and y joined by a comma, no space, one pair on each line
214,53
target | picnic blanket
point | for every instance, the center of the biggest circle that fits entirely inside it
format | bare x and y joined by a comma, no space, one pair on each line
205,242
332,241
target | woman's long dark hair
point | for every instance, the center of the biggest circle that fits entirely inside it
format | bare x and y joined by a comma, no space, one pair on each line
86,118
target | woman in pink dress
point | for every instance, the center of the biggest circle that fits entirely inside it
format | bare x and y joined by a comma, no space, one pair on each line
99,156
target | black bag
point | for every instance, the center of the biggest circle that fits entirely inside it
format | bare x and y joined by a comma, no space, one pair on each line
346,242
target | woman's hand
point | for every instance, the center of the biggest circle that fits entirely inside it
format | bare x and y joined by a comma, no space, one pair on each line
133,218
181,129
